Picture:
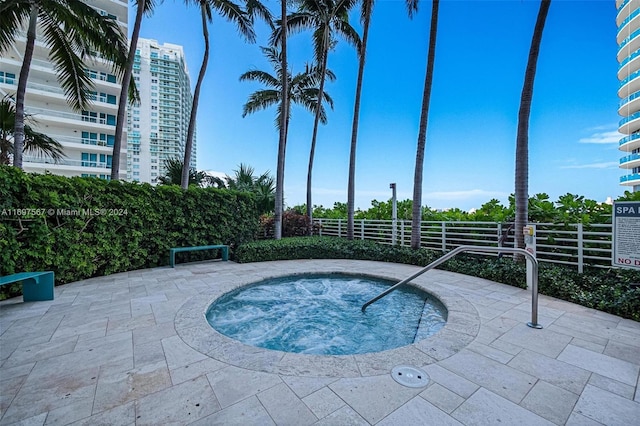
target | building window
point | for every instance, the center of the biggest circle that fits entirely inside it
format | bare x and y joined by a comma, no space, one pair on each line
89,160
7,78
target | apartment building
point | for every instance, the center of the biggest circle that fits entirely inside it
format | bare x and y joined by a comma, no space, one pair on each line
628,38
157,126
87,136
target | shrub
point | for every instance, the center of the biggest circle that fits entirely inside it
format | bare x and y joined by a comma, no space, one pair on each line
294,224
609,290
136,227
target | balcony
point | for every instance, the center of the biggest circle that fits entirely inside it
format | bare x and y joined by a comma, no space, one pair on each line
630,143
629,44
629,85
630,161
630,124
628,25
630,180
629,65
630,104
66,164
49,115
623,7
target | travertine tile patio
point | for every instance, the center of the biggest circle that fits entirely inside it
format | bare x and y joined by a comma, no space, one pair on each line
135,349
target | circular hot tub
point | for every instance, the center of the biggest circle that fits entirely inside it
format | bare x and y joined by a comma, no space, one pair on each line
425,343
321,314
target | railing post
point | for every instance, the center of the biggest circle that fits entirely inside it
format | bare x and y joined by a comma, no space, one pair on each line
319,227
443,235
402,232
580,249
362,229
339,228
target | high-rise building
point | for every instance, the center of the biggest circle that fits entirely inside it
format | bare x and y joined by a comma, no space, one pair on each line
628,38
86,136
158,124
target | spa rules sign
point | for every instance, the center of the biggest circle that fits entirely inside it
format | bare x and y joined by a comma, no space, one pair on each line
626,234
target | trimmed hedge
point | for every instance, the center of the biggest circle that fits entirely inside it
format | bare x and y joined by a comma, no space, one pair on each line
608,290
86,227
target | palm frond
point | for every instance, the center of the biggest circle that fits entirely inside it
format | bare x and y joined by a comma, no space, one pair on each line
366,9
349,34
68,65
256,9
274,56
148,6
232,12
42,145
261,77
35,142
262,99
412,7
12,14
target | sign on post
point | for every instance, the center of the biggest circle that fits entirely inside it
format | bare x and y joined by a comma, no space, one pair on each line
626,234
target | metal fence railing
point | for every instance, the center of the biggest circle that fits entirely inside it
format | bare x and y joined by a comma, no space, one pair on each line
573,244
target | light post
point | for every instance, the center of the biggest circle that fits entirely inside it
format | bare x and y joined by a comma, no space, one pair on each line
394,214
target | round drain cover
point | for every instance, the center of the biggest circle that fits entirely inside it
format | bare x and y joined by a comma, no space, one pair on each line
410,376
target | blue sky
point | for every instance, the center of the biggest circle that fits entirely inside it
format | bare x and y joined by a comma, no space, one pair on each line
481,54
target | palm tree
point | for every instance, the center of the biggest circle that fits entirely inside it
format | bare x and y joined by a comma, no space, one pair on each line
143,7
416,216
522,138
365,17
302,89
326,18
39,143
282,139
173,174
244,23
71,29
263,186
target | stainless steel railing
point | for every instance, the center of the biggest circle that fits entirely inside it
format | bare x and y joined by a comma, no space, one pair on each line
533,264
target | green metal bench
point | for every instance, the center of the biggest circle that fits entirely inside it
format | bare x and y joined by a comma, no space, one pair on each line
36,286
173,251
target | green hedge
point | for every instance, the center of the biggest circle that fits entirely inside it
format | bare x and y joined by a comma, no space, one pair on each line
119,226
608,290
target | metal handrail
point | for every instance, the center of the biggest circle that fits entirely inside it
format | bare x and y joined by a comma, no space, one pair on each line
457,250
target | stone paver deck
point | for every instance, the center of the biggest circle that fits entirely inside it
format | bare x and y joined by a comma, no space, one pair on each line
135,349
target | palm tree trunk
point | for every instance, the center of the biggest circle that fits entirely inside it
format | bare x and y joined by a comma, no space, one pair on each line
522,138
124,92
316,122
416,217
194,106
282,143
351,188
18,130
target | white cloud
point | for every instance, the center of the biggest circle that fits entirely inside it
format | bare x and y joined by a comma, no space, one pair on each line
607,137
605,165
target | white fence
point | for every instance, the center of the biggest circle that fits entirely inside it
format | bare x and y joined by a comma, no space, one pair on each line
572,244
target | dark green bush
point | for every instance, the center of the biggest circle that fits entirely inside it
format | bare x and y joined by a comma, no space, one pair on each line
144,223
294,224
608,290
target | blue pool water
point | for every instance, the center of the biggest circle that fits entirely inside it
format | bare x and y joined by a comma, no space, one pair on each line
320,314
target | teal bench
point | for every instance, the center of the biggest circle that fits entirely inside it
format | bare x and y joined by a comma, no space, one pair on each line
36,286
173,251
